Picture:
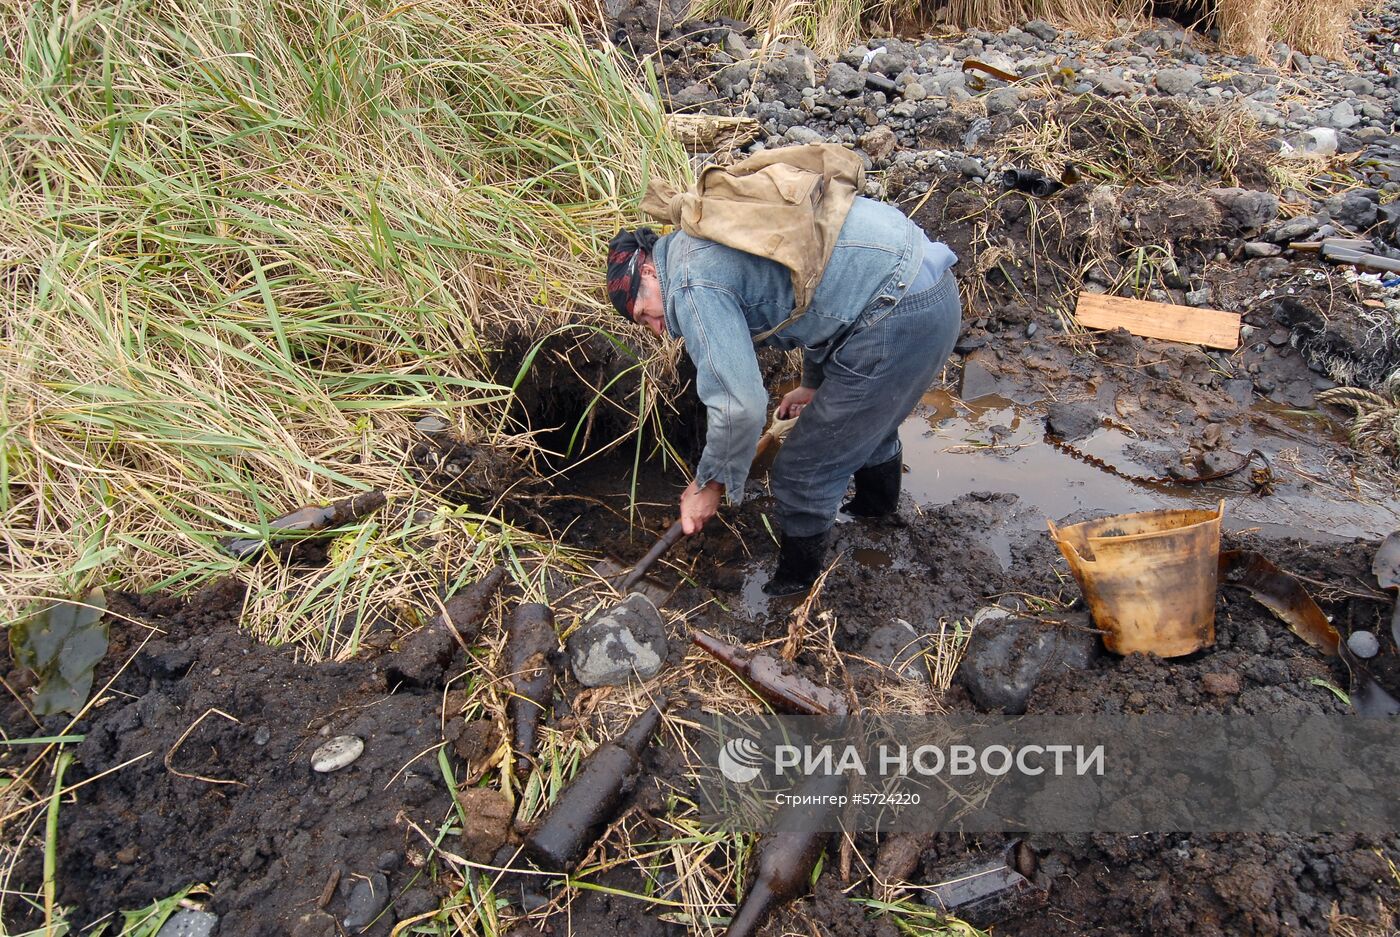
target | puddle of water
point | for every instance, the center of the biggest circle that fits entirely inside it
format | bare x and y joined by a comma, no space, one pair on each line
871,558
996,445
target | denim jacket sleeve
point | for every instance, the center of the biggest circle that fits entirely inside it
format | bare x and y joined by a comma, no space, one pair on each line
727,380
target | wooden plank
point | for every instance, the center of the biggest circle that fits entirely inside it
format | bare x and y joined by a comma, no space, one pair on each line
1210,327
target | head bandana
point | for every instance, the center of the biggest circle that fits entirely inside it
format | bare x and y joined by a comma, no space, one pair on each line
626,252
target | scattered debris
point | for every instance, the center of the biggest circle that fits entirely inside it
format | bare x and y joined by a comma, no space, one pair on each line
582,810
790,693
1149,579
1190,325
1386,568
626,642
1030,181
486,814
62,645
310,519
531,644
1281,594
984,892
338,753
712,133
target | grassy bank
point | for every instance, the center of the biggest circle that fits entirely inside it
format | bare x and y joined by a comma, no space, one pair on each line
246,243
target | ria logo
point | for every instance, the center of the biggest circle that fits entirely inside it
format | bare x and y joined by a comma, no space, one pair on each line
740,760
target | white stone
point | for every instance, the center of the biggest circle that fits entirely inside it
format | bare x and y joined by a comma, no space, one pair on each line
336,754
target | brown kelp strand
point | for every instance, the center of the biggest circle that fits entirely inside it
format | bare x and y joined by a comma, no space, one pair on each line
310,519
591,801
530,647
790,693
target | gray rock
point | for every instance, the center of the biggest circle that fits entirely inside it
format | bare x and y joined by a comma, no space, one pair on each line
733,80
971,167
1358,85
187,923
693,96
894,60
797,69
1355,211
977,380
1256,249
801,134
617,645
1246,209
1361,643
1178,80
1341,116
1071,421
1241,390
842,79
1003,101
1200,297
896,646
417,901
735,45
367,896
1111,85
1042,30
432,424
1295,229
915,91
879,142
1008,657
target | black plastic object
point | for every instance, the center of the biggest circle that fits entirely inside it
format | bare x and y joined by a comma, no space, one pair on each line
1030,182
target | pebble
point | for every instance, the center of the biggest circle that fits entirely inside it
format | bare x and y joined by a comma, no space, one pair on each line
367,898
336,754
1363,644
1262,249
187,923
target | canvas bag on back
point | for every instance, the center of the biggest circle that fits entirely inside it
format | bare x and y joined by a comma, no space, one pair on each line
786,204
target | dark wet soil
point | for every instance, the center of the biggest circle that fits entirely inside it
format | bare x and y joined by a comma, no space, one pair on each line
217,732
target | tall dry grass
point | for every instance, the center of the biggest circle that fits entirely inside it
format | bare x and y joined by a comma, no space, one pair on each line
830,27
243,243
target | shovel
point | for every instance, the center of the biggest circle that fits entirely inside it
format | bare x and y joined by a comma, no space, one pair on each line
770,438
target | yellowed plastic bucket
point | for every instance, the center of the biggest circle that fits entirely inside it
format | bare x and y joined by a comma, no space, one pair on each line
1150,579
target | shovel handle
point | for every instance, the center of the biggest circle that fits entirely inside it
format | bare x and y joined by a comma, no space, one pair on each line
665,542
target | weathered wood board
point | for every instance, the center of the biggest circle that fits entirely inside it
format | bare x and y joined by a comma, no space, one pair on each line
1194,326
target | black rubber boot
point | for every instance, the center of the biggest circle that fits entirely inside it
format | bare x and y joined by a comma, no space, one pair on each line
799,564
877,489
